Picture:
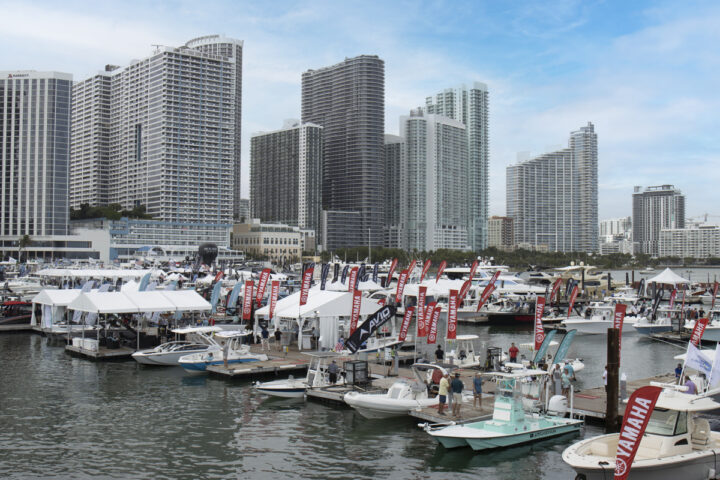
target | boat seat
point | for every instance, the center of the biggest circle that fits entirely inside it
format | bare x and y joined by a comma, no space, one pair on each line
650,447
601,449
701,433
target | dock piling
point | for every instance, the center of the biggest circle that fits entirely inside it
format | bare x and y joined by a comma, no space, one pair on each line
613,367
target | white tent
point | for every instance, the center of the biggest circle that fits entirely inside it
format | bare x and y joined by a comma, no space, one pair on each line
104,302
130,286
94,273
154,301
668,277
54,305
186,300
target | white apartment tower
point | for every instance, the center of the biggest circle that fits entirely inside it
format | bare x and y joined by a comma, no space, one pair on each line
470,107
553,198
396,188
34,144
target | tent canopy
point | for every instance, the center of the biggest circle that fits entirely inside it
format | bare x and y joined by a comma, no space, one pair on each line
187,300
136,302
323,303
153,301
104,302
56,297
94,273
668,277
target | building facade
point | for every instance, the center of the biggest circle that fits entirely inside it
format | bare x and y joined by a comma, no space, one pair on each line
244,210
286,175
655,209
348,101
34,153
470,107
281,244
553,199
395,164
500,233
700,242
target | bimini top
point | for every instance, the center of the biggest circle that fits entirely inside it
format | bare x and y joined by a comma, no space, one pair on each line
672,399
466,337
233,333
184,330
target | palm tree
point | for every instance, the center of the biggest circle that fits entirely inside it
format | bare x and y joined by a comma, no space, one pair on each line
23,243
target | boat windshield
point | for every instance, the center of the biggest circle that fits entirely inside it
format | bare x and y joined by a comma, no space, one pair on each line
667,423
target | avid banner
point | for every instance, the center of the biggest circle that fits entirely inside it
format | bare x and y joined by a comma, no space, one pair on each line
539,331
452,315
262,283
368,327
636,418
344,273
336,272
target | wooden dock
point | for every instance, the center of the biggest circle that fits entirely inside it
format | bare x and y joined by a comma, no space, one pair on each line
681,338
102,353
468,413
253,370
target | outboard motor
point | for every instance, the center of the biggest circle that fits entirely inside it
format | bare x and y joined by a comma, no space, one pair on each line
558,405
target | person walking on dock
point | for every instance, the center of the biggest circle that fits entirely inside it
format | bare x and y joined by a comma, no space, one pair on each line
443,388
477,390
556,377
457,387
513,351
678,372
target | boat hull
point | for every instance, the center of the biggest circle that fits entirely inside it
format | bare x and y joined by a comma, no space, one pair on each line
650,329
479,444
282,388
498,318
201,367
165,359
379,406
588,327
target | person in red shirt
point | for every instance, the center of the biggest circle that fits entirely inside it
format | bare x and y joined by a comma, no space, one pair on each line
513,353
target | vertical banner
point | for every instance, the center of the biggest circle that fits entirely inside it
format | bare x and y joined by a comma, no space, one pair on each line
262,283
405,323
411,268
324,271
673,294
336,272
440,271
355,314
360,276
573,296
305,286
555,290
218,276
368,327
682,307
400,286
618,318
539,330
473,269
432,331
425,269
636,418
375,272
247,299
698,331
452,315
393,264
422,293
715,291
353,279
489,289
464,290
540,353
274,292
344,273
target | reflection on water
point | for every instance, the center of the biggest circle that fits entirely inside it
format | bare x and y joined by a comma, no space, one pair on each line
65,417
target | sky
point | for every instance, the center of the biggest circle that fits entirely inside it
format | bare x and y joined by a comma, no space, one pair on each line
646,74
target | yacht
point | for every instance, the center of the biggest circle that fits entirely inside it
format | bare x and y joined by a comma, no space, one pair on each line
316,377
200,340
237,353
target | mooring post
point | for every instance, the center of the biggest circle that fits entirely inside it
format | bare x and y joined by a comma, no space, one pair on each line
613,368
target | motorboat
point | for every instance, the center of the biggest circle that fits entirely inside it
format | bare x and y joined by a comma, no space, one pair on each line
626,295
463,355
662,323
317,377
676,444
712,330
237,353
200,341
519,416
404,395
15,312
598,318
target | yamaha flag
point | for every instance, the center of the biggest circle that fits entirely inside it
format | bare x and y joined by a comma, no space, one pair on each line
432,331
247,300
262,283
573,296
440,271
698,331
540,353
635,421
452,315
274,291
401,286
324,271
368,327
305,285
355,312
406,323
473,269
422,292
555,289
673,294
393,264
618,319
539,331
352,281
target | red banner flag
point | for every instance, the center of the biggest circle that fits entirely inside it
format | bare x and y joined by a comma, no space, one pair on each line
305,286
539,330
489,289
382,302
555,289
698,331
218,276
247,299
352,279
673,294
452,315
440,271
401,286
355,314
262,283
432,333
682,307
636,418
422,293
393,264
425,269
464,290
406,323
715,290
620,310
473,269
411,268
573,296
274,291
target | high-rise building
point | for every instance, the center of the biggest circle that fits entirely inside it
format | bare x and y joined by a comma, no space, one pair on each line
500,232
553,198
395,191
470,106
286,175
656,208
437,184
348,100
172,137
244,210
699,242
34,153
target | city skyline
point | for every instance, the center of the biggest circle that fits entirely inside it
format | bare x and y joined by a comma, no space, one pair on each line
642,73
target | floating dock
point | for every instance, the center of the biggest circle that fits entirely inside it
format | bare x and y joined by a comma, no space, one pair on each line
102,353
22,327
253,370
674,337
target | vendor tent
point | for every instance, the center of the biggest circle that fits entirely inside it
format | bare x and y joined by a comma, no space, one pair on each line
186,300
104,302
668,277
54,305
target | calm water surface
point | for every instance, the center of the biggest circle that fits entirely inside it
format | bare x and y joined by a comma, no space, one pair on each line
64,417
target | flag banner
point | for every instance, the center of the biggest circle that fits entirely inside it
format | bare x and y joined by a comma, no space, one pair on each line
143,283
698,331
573,296
673,294
352,281
440,271
555,290
305,286
618,319
368,327
344,274
540,352
641,287
714,378
382,301
682,307
422,293
411,268
247,299
360,276
375,272
539,331
715,290
636,418
425,269
406,323
355,313
452,315
562,350
401,286
214,297
658,298
262,283
473,269
432,331
697,360
464,290
233,297
324,271
274,292
489,288
336,272
393,264
218,276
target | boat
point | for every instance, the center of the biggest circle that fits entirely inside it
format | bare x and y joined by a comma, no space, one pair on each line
598,318
237,353
712,330
316,377
404,395
519,416
462,355
168,354
647,326
676,443
15,312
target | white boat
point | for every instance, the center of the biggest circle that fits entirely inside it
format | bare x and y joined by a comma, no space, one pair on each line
463,354
598,318
646,326
676,444
711,333
403,396
200,340
317,377
237,353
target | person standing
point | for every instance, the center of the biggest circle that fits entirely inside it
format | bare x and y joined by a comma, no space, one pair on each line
565,382
513,351
439,354
443,388
226,353
265,338
678,371
278,338
333,372
457,387
477,390
557,379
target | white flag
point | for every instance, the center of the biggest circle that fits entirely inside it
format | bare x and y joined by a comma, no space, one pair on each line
697,360
715,374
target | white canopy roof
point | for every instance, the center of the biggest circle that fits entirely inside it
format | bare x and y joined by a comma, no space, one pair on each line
153,301
187,300
668,277
135,302
56,297
104,302
95,273
130,286
321,303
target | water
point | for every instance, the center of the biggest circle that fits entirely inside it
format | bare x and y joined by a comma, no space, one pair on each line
66,417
